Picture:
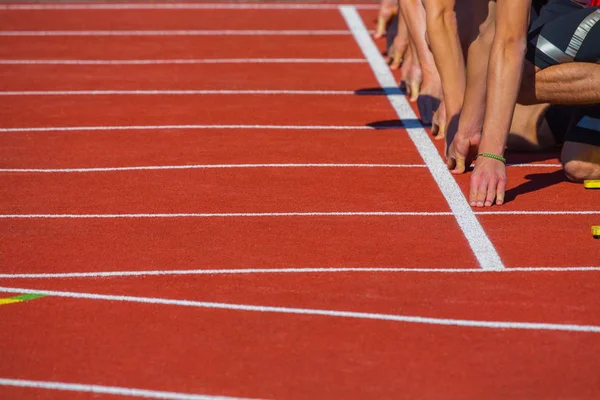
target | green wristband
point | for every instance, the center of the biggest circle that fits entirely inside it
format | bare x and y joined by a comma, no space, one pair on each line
490,155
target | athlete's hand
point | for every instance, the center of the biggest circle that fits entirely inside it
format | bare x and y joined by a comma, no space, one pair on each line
439,122
397,51
488,182
411,75
430,94
461,152
387,10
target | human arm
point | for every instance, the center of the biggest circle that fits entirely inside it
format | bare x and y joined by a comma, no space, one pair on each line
387,10
430,91
465,139
410,72
399,46
447,53
488,181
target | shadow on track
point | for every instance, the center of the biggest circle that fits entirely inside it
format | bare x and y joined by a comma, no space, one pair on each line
536,182
395,124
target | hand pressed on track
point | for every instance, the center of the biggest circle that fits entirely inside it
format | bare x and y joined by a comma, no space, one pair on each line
397,51
430,94
461,152
411,75
439,122
488,182
387,10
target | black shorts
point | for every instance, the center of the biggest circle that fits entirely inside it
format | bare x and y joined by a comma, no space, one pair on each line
564,32
574,124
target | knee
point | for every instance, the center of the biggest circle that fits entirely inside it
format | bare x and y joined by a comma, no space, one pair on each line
579,170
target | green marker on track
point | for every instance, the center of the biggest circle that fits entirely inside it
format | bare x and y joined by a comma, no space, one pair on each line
21,298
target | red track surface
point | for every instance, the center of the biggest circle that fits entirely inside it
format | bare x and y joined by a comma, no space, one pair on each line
184,77
259,354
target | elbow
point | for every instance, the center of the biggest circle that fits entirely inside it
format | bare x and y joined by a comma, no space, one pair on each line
509,48
441,21
440,15
511,43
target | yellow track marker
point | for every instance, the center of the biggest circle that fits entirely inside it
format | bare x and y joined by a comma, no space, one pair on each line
591,184
9,301
596,231
20,299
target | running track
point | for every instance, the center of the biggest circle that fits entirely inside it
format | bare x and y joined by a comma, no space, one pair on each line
205,197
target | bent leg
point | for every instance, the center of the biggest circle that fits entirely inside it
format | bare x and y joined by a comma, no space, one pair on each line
563,55
532,129
576,83
581,151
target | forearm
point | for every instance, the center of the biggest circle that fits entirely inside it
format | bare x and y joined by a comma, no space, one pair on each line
505,73
473,110
414,16
504,79
402,36
445,46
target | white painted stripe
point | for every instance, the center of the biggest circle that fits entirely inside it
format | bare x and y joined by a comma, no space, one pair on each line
230,215
537,165
171,92
182,6
316,312
100,389
165,127
538,212
289,214
293,214
208,166
482,247
229,32
190,61
250,271
217,166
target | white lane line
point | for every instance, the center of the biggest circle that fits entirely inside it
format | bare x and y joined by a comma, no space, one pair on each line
229,215
101,389
173,127
171,92
316,312
196,32
213,166
250,271
182,6
190,61
289,214
482,247
206,166
538,165
538,212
